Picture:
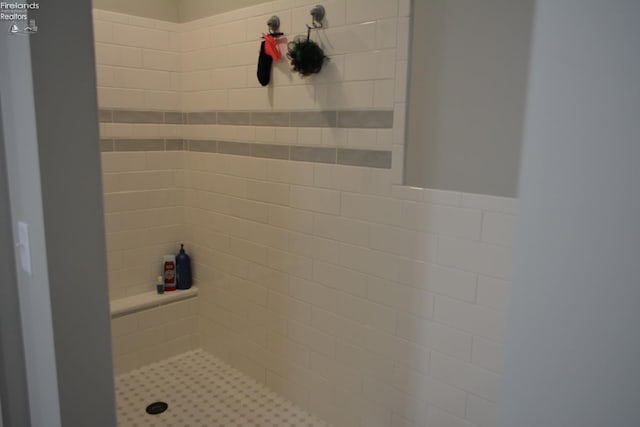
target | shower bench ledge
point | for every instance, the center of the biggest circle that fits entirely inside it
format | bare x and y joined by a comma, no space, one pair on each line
135,303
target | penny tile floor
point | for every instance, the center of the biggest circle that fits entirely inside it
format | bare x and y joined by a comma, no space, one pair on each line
202,391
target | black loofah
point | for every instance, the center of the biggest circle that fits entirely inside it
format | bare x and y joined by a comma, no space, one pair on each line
306,56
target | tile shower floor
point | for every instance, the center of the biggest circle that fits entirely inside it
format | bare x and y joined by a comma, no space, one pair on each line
202,391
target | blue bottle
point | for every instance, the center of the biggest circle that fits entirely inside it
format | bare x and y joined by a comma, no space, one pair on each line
183,270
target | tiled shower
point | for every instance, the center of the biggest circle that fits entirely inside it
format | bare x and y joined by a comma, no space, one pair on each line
318,274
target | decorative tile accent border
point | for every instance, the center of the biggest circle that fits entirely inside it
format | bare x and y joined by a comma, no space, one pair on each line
329,155
313,154
108,145
370,158
369,119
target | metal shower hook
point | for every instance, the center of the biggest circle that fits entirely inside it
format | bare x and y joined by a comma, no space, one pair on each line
274,24
317,16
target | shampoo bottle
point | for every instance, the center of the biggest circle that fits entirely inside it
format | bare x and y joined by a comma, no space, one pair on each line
183,270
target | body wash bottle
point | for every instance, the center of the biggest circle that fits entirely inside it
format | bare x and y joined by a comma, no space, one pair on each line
169,273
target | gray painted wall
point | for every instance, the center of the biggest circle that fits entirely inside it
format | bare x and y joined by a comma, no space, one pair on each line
13,387
21,145
468,74
50,131
64,82
573,346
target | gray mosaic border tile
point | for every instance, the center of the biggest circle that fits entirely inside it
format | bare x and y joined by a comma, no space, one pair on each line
318,119
202,118
120,145
174,145
234,118
270,151
327,155
237,148
139,145
367,119
267,118
129,116
369,158
105,116
314,154
202,146
106,145
174,118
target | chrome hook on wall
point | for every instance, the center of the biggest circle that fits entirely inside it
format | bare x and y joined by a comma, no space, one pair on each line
274,25
317,15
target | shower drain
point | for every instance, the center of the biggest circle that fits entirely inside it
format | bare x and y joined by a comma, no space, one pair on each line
157,408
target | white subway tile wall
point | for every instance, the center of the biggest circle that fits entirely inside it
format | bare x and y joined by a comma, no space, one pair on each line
394,303
364,301
144,216
155,334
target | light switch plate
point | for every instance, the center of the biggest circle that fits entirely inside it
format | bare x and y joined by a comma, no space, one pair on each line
24,250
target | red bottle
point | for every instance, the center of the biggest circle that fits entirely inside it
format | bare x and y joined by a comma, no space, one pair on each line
169,273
